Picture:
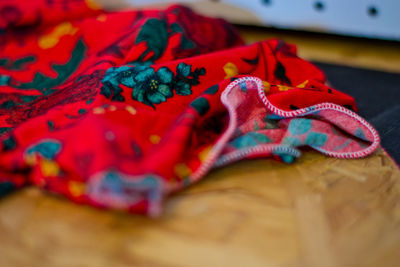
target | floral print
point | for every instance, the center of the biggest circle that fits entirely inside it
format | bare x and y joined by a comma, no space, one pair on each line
150,86
60,131
47,148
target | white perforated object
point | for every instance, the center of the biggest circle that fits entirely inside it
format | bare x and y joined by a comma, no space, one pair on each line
366,18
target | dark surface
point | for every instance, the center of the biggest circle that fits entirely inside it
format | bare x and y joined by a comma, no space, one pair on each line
377,95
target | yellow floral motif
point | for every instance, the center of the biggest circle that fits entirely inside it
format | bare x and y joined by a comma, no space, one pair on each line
267,86
155,139
76,188
51,39
284,87
49,168
303,84
98,110
101,18
30,159
112,108
204,153
131,110
92,4
230,70
182,170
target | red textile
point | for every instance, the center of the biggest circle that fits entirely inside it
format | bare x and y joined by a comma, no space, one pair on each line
119,109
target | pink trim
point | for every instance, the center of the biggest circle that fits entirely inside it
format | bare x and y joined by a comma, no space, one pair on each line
259,150
212,158
223,140
323,106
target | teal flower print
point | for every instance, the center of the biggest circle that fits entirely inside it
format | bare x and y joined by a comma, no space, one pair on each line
110,88
250,139
299,126
182,72
186,78
47,148
149,86
4,79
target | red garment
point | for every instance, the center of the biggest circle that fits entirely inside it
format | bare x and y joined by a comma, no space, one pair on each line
119,109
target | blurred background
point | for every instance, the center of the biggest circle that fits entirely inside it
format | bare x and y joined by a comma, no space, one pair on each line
362,18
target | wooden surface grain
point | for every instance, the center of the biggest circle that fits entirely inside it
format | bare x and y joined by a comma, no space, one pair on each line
316,212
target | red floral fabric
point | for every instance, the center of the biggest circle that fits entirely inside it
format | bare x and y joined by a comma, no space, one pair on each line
119,109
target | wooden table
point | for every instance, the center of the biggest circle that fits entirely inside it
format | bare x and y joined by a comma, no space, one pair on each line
317,212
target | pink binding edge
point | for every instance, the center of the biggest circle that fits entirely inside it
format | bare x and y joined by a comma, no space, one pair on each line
212,158
323,106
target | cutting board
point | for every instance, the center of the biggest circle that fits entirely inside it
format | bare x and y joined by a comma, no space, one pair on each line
316,212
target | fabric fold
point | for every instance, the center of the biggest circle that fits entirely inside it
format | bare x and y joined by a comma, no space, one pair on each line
122,118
